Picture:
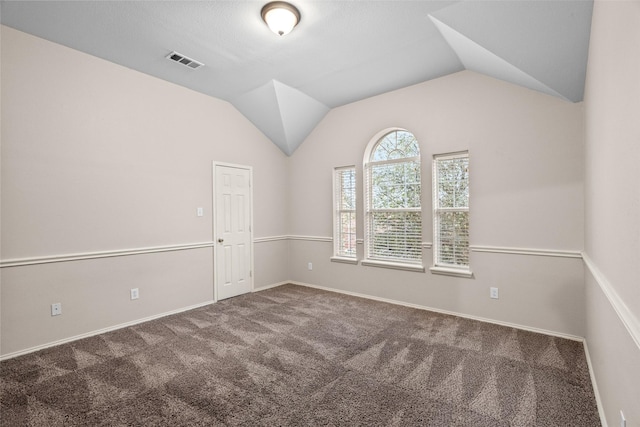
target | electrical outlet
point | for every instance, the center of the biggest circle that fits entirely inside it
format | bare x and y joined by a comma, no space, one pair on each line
310,266
493,293
623,420
135,294
56,309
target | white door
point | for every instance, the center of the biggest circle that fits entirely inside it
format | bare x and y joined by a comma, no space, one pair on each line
232,230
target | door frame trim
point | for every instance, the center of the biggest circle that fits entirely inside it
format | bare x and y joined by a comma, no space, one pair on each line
213,223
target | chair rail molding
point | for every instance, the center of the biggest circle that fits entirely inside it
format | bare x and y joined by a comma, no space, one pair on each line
526,251
628,319
47,259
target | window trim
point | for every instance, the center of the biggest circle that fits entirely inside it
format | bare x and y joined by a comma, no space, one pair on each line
394,265
447,271
440,268
410,265
344,260
337,256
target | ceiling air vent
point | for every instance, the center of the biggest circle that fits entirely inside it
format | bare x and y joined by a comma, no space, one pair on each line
184,60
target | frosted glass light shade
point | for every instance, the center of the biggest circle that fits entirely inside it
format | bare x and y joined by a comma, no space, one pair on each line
280,16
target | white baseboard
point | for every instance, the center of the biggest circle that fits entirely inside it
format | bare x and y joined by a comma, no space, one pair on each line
452,313
275,285
100,331
594,384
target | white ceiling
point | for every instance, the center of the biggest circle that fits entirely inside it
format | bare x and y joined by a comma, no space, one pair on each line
342,51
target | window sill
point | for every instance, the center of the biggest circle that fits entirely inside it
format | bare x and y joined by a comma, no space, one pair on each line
394,265
344,260
458,272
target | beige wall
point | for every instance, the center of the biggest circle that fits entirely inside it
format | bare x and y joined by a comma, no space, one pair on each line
612,206
97,157
526,172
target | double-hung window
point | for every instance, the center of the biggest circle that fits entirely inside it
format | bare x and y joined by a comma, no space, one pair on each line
451,213
344,221
393,207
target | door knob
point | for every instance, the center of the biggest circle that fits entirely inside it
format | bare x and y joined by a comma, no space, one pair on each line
220,240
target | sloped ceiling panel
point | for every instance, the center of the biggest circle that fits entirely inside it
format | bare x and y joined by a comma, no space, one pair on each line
284,114
546,40
260,106
477,58
300,114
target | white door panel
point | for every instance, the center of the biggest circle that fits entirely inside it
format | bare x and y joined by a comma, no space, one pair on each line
232,222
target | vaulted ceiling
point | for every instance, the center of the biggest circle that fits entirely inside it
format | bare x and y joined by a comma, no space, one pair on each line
342,51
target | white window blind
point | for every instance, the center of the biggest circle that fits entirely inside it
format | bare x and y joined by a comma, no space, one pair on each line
394,216
344,223
451,210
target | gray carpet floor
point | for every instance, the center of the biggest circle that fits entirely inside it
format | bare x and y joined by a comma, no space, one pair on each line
296,356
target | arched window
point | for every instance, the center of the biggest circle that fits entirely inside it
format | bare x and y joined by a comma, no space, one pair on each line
393,210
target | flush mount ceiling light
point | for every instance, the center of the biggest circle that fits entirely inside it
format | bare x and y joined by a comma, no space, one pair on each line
280,16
